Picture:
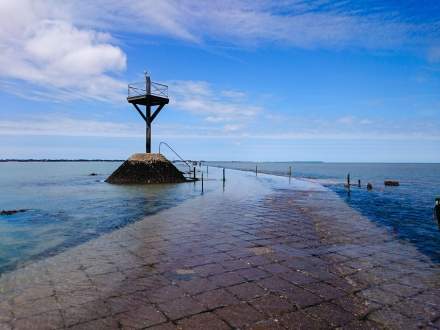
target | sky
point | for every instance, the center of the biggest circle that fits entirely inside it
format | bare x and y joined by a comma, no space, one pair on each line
289,80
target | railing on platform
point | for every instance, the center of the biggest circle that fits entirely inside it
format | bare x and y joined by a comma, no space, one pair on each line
139,89
169,147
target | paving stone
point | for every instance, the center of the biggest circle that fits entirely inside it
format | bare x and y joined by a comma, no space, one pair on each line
356,305
297,277
400,289
376,294
125,303
324,290
227,279
246,291
272,324
182,307
254,273
49,320
273,305
300,320
166,293
140,318
217,298
300,297
210,269
35,307
5,312
203,321
99,324
239,315
86,312
198,285
5,326
388,317
330,313
164,326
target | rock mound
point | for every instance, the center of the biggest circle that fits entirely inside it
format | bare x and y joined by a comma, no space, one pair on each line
145,168
392,183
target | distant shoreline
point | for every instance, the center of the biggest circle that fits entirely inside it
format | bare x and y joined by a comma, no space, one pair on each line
58,160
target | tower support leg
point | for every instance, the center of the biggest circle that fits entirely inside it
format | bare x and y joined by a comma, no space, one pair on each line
148,132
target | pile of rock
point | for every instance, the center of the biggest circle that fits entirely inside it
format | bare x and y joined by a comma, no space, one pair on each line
145,168
391,183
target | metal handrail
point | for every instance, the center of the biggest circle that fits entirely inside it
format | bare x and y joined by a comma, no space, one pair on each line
139,89
189,166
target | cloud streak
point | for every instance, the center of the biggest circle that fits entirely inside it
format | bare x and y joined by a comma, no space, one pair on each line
214,106
306,129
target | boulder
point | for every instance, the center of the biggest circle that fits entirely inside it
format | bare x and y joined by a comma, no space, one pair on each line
11,212
145,168
392,183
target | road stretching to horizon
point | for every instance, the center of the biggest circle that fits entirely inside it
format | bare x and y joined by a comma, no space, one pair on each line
257,253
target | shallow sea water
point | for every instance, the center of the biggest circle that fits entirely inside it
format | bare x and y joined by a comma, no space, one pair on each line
66,206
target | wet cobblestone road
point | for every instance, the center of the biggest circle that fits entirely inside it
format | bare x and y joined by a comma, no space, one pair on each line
289,257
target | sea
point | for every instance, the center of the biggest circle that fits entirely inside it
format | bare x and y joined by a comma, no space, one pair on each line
66,205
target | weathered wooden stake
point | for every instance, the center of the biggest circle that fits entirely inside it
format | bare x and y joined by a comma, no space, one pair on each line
256,170
348,181
290,171
224,179
202,182
359,183
194,171
437,210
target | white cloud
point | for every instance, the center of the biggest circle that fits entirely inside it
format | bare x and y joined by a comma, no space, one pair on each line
40,46
295,129
199,98
58,125
296,23
59,49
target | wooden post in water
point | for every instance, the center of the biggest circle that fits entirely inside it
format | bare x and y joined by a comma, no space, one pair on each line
348,181
224,179
194,171
256,170
359,183
202,182
290,171
437,210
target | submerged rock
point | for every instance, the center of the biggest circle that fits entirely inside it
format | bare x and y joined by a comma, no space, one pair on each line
392,183
11,212
145,168
93,174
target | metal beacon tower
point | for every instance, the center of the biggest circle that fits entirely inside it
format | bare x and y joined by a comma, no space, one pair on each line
149,94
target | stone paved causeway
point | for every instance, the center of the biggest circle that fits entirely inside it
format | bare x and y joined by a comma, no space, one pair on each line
289,257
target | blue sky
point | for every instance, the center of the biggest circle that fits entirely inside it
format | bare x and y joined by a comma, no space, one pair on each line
249,80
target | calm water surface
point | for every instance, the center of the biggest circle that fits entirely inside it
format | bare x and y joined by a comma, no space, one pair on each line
67,206
407,210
